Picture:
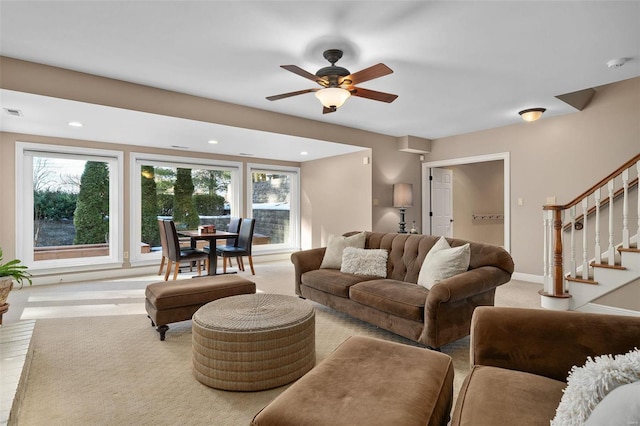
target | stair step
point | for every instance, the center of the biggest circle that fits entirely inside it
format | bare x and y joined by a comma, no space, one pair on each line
606,265
631,249
582,280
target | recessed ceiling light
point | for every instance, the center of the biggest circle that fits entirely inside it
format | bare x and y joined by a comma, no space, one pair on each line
304,153
617,62
213,141
75,124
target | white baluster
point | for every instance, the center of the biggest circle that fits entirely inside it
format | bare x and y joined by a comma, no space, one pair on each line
598,250
625,209
585,251
611,251
572,261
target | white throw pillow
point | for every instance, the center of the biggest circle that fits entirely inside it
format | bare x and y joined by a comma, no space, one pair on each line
589,384
443,262
335,246
372,262
621,407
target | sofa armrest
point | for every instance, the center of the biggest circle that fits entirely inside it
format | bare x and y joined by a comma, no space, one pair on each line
547,343
304,261
467,284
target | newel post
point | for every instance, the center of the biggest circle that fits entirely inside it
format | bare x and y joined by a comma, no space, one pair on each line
555,296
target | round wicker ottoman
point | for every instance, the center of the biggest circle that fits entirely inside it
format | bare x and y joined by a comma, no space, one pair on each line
253,342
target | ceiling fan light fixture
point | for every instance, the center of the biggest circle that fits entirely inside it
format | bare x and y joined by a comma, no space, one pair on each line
531,114
333,97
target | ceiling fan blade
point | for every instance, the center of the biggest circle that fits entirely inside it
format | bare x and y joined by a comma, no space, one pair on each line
326,110
302,73
288,95
372,94
370,73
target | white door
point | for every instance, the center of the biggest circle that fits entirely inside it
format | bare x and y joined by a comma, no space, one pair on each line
442,202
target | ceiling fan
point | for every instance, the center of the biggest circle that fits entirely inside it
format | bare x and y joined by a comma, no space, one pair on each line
338,84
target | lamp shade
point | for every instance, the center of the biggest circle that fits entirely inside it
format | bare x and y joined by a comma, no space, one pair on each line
333,96
531,114
402,195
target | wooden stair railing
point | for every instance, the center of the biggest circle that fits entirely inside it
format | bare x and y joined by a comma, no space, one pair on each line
579,222
554,274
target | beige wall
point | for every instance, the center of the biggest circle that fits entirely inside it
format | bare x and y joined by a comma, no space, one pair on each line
7,177
627,297
559,156
555,156
336,197
478,188
387,164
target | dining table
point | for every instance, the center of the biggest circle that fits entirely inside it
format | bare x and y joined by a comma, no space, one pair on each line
212,238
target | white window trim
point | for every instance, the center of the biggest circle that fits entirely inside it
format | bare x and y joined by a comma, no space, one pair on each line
294,207
24,203
235,167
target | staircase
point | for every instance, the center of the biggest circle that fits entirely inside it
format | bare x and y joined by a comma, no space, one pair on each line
588,247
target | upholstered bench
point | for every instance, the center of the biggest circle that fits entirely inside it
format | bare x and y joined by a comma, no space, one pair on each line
168,302
368,381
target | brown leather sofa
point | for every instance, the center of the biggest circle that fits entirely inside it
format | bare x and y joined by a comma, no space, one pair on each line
520,360
432,317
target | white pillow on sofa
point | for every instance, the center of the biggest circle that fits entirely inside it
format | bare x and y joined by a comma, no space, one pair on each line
589,384
443,262
335,246
621,407
372,262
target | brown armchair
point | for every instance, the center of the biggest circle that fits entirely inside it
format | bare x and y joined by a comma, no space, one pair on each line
520,360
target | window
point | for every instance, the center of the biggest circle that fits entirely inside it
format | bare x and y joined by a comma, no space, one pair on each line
192,192
274,199
74,195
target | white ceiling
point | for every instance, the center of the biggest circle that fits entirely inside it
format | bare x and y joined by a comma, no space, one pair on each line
459,66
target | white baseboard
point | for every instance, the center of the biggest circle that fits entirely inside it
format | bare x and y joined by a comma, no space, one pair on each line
538,279
604,309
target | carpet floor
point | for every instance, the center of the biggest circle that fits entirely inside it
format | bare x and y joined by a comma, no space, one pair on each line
107,370
114,370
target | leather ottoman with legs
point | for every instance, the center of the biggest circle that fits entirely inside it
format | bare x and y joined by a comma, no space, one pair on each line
168,302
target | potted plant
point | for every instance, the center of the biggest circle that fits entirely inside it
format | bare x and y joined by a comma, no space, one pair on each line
9,272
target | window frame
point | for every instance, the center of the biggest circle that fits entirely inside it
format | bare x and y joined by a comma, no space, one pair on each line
25,203
136,258
294,206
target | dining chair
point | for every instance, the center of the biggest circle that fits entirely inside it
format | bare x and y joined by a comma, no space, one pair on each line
178,254
163,244
234,226
241,248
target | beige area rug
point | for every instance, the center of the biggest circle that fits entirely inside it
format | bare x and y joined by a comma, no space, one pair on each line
114,370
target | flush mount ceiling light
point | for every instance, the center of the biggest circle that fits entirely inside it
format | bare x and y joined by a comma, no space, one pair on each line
531,114
75,124
213,141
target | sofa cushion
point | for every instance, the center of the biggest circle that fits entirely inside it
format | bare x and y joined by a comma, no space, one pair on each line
398,298
335,246
371,262
443,262
497,396
332,281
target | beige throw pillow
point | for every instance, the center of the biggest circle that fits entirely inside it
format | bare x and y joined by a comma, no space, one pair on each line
443,262
335,246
